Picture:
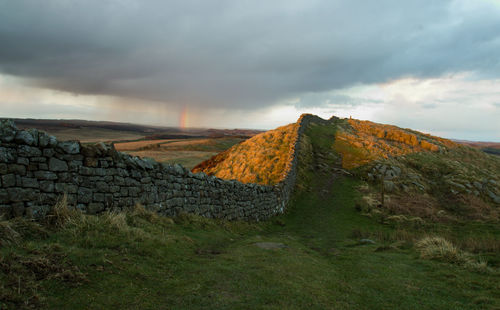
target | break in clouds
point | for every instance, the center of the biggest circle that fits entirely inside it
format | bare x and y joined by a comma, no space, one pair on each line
242,54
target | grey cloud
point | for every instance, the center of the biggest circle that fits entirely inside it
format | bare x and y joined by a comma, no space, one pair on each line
429,105
332,100
241,54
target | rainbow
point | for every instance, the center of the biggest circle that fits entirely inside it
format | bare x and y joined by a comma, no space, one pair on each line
183,117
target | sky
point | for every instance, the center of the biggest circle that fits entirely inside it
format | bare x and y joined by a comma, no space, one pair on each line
428,65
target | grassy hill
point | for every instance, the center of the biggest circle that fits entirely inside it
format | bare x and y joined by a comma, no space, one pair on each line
337,247
261,159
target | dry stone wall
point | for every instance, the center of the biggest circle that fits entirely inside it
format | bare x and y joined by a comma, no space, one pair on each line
36,169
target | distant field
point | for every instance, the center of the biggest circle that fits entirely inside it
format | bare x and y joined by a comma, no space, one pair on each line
187,152
138,145
186,146
91,135
487,147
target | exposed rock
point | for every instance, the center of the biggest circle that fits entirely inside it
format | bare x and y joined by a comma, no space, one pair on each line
389,175
396,170
493,197
389,186
477,185
366,241
456,185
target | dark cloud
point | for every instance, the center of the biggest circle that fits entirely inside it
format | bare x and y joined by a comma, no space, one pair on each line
241,53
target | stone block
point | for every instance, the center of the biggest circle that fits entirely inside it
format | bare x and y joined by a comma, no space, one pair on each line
24,137
69,147
18,209
43,139
95,207
3,168
17,194
57,165
29,151
84,195
32,167
4,196
98,197
38,159
91,162
7,130
47,186
17,169
8,180
134,191
5,211
102,187
48,152
66,188
74,165
45,175
30,183
23,161
7,155
86,171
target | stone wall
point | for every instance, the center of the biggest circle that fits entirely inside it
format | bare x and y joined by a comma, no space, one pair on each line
36,169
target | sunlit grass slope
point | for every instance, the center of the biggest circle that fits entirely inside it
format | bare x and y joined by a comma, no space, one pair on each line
361,142
262,159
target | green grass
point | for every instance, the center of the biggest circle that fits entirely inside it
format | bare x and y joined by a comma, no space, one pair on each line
135,261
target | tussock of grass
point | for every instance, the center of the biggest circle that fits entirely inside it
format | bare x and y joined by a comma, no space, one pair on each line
15,230
437,248
60,214
138,211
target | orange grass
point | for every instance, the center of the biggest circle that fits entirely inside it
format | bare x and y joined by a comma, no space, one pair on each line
367,141
262,159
